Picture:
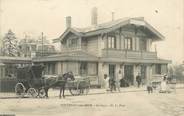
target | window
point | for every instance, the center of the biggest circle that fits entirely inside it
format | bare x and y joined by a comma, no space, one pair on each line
142,44
92,68
158,69
111,42
73,67
83,68
72,42
51,68
33,47
128,43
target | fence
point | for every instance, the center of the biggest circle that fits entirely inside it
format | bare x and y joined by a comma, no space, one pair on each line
7,87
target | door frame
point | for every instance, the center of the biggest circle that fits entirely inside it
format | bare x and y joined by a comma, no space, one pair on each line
130,77
114,70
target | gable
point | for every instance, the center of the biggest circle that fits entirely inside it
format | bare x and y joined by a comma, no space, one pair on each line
138,23
69,33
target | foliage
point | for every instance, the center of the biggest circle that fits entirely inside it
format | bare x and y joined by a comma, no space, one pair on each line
177,71
9,44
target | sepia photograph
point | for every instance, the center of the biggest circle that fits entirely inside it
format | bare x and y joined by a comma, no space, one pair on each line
91,58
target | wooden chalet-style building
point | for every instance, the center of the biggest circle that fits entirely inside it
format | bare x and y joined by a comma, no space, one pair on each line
123,44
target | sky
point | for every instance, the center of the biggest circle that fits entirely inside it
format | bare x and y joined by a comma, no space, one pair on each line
32,17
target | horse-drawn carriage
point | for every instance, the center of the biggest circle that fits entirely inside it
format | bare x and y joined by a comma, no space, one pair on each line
169,86
29,81
32,83
79,86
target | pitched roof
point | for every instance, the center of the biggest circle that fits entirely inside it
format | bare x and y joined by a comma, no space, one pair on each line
109,26
100,26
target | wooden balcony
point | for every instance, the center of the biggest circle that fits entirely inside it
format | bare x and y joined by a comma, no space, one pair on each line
76,48
114,53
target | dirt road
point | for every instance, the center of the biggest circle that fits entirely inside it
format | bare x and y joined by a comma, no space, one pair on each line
110,104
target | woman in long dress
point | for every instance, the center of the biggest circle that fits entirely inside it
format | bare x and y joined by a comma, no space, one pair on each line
164,84
106,78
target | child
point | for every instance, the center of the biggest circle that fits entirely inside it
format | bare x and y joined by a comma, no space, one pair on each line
150,87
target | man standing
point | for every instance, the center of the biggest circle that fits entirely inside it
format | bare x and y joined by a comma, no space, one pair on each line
138,79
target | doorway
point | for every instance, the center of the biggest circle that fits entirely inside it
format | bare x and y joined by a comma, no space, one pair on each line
112,68
128,74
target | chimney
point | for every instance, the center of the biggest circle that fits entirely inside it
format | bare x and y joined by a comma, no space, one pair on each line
94,16
68,21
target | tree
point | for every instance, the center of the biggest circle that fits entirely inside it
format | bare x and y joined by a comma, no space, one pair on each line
177,71
10,44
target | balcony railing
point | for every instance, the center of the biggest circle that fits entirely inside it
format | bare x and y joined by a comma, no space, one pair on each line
76,48
114,53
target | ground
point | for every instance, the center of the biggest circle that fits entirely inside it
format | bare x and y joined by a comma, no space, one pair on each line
138,103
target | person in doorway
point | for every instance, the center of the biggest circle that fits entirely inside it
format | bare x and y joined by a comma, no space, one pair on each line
106,78
118,78
138,79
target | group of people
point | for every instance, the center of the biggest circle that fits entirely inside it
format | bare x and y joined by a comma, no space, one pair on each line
112,84
164,85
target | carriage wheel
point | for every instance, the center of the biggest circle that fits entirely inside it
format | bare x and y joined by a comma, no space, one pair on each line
42,93
75,90
85,87
20,90
32,92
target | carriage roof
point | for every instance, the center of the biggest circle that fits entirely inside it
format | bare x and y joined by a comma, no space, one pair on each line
30,72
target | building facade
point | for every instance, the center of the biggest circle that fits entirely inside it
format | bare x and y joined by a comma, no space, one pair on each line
32,48
123,44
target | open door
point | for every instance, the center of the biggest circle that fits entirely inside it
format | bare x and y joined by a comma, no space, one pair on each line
128,74
112,70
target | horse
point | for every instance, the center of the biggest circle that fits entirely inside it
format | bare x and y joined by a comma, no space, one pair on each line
57,81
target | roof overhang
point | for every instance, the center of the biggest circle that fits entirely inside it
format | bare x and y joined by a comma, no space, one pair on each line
138,23
68,56
145,61
131,21
15,60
